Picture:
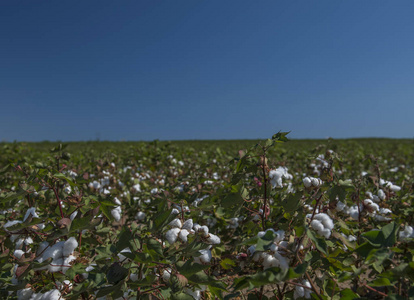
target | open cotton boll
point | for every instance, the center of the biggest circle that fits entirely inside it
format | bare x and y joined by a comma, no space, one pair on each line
381,194
70,245
301,292
140,216
18,253
340,206
204,258
307,182
203,230
395,188
137,188
66,263
196,294
166,274
51,295
24,294
176,223
30,211
407,233
172,235
116,213
325,219
183,235
371,206
213,239
188,225
42,247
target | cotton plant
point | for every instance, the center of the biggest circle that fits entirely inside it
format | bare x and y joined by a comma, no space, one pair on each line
310,182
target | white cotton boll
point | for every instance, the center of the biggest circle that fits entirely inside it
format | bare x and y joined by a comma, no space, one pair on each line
18,253
340,206
133,277
188,225
52,295
317,225
381,195
117,202
203,230
395,188
176,223
166,274
137,187
70,245
213,239
371,206
251,250
42,247
325,219
54,252
11,223
172,235
116,213
269,261
204,258
375,198
30,211
307,291
24,294
183,235
66,263
140,216
261,234
307,182
299,292
55,265
73,215
195,294
407,233
273,248
280,235
175,211
196,227
283,262
28,240
316,182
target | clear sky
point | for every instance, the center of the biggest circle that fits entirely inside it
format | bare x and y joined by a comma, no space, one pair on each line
205,69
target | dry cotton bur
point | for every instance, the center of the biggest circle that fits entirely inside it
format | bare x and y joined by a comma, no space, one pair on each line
154,220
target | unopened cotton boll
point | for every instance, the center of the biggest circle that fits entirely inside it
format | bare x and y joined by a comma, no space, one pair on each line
172,235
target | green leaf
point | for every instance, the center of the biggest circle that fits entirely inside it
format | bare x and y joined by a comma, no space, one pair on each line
381,282
189,268
232,199
319,243
292,202
116,273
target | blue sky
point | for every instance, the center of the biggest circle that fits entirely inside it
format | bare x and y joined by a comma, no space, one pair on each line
144,70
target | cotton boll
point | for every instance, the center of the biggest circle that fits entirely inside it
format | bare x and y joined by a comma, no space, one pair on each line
24,294
56,265
251,250
18,253
196,227
116,213
133,277
269,261
340,206
175,211
326,220
52,295
28,240
213,239
137,188
42,246
166,274
183,235
317,225
203,230
176,223
307,182
66,263
283,262
11,223
407,233
395,188
381,195
195,294
140,216
70,245
204,258
188,225
73,215
172,235
30,211
371,206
